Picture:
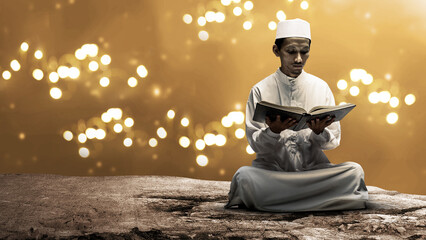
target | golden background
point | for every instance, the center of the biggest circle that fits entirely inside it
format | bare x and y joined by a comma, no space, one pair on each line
202,80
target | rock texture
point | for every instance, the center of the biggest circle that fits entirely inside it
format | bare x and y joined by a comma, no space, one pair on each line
157,207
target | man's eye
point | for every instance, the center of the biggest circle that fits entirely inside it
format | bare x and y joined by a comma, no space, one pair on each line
291,52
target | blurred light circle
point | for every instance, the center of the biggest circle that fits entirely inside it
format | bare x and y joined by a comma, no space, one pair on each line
392,118
354,91
84,152
202,160
357,74
105,59
24,46
55,93
153,142
129,122
237,11
410,99
132,82
116,113
272,25
68,135
90,49
200,144
106,117
93,66
304,5
54,77
170,114
237,117
394,102
226,2
74,73
281,15
367,79
209,139
374,97
118,128
38,54
142,71
82,138
187,18
161,132
247,25
203,35
227,121
104,82
388,76
201,21
38,74
184,122
220,17
63,71
184,141
342,84
100,134
91,133
6,75
80,54
248,5
127,142
14,64
384,96
210,16
239,133
220,140
249,150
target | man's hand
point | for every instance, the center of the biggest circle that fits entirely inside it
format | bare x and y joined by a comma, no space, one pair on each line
318,126
277,126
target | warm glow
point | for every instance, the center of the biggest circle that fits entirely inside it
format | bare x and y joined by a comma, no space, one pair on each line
116,113
14,64
55,93
184,122
200,144
202,160
210,16
384,96
80,54
38,54
90,133
187,18
128,142
161,132
226,2
281,15
74,73
201,21
367,79
237,11
118,128
239,133
84,152
354,91
90,49
247,25
209,139
272,25
203,35
392,118
38,74
128,122
106,59
132,82
220,140
249,150
54,77
342,84
153,142
237,117
24,46
100,134
374,97
394,102
106,117
304,5
388,76
410,99
6,75
82,138
93,66
68,135
63,71
227,121
156,91
248,5
171,114
357,74
184,141
142,71
104,82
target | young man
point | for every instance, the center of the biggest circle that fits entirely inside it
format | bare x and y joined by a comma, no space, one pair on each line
291,172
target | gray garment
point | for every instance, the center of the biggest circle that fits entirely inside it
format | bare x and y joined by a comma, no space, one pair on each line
332,187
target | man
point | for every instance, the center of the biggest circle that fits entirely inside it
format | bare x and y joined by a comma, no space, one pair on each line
291,172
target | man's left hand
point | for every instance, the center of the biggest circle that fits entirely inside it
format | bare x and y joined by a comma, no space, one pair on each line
318,126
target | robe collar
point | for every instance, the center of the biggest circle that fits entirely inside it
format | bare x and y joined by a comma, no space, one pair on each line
283,78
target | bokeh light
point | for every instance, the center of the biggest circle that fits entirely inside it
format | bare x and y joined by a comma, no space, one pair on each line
281,15
6,75
100,134
247,25
153,142
272,25
68,135
410,99
200,144
226,2
354,91
210,16
127,142
237,11
248,5
24,46
392,118
132,82
118,128
54,77
203,35
74,73
240,133
184,122
367,79
116,113
55,93
82,138
184,141
187,18
14,64
106,117
128,122
80,54
209,139
170,114
106,59
220,140
394,102
63,71
202,160
90,133
304,5
38,74
342,84
249,150
38,54
84,152
104,82
220,17
142,71
93,66
161,132
201,21
374,97
226,121
384,96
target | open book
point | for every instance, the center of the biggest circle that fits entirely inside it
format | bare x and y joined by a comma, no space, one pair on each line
271,110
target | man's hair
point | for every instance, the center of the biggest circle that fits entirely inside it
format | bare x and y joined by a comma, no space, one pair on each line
279,42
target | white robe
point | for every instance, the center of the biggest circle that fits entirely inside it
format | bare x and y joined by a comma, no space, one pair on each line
290,158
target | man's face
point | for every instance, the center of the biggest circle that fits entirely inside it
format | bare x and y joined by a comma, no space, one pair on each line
293,55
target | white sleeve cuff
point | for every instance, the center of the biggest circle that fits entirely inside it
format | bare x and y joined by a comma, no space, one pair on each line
272,134
323,137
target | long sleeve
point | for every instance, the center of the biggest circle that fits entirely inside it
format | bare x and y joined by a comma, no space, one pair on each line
330,137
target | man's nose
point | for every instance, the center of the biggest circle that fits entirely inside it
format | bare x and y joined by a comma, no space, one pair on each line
298,58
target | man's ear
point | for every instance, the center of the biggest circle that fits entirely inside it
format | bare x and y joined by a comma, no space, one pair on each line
275,50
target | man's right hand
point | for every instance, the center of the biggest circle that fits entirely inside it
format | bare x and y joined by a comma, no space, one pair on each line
277,126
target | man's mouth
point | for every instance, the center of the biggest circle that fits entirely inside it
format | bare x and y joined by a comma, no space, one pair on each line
297,66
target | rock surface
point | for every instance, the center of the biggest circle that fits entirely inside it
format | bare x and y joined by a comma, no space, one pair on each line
36,206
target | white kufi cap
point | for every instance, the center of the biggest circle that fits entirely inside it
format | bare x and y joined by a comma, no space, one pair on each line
293,28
